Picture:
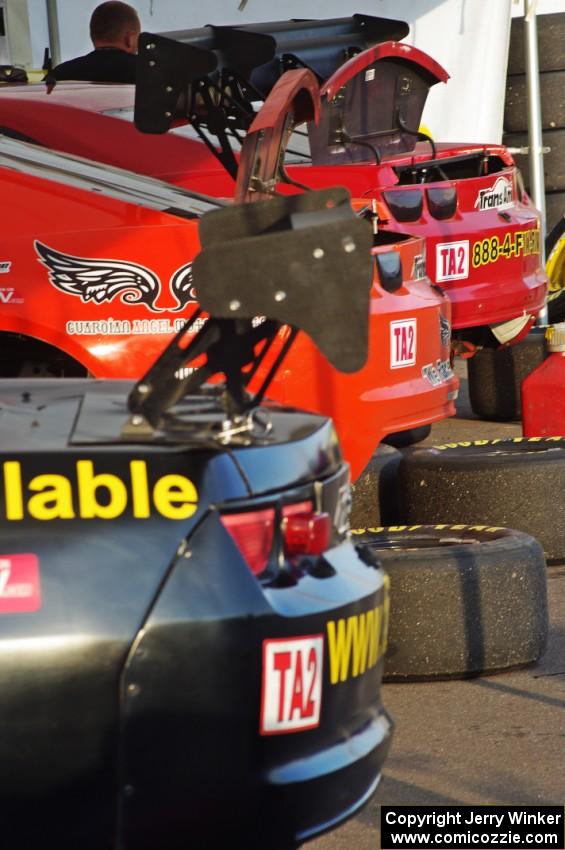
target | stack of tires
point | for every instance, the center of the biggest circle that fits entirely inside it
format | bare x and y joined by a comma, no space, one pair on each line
551,40
468,594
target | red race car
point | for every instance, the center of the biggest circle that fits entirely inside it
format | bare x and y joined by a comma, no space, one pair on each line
97,277
468,201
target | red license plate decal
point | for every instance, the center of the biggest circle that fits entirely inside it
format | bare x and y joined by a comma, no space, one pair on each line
20,589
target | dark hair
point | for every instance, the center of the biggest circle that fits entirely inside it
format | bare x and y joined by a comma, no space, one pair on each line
111,19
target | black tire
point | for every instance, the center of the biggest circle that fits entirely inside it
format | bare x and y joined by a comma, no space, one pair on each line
551,37
552,95
515,482
555,266
464,600
553,162
375,491
495,376
401,439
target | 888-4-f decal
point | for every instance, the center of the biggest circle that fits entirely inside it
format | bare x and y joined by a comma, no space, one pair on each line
520,243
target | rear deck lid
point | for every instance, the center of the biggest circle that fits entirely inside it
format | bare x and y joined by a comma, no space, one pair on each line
373,104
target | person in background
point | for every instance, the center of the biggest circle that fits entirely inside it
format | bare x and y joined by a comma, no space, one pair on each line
114,30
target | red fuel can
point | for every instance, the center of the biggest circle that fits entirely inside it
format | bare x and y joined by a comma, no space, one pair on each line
543,391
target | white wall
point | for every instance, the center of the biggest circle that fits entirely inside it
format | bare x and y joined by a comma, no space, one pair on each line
39,30
468,37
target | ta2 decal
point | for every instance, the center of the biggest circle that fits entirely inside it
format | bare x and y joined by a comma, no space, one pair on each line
5,266
452,260
291,698
403,343
517,244
499,196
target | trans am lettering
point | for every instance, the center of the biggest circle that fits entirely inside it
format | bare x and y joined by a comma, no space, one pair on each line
100,280
498,197
93,495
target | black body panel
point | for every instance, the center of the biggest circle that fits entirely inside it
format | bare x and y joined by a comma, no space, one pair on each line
132,689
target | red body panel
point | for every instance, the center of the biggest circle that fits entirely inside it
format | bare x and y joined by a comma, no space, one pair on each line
70,119
119,339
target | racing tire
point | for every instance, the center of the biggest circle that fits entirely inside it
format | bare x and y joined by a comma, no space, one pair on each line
464,600
516,482
374,494
551,37
555,267
495,376
402,439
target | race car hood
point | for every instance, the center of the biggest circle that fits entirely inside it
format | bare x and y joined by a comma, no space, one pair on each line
81,418
106,180
375,99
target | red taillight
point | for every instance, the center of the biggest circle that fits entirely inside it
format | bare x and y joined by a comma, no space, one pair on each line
253,536
307,534
303,533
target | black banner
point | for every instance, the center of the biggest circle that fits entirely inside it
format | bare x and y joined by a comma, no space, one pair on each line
473,827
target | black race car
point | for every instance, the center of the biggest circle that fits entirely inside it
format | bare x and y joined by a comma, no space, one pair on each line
191,646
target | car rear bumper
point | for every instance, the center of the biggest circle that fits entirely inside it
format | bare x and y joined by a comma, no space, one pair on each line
329,787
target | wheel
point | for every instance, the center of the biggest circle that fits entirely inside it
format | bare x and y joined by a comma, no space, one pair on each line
495,376
464,600
555,267
401,439
509,482
374,493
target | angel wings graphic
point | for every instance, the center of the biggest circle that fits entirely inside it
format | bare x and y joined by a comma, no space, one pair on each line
100,280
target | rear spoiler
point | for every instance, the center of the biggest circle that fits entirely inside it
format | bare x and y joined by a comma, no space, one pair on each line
212,75
319,45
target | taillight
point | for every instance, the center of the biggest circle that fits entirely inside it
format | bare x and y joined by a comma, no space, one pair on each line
405,204
303,532
253,535
442,203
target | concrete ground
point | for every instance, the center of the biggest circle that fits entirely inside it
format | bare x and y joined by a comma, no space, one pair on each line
497,739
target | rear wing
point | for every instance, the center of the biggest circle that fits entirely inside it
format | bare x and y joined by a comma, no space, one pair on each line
319,45
212,77
260,269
